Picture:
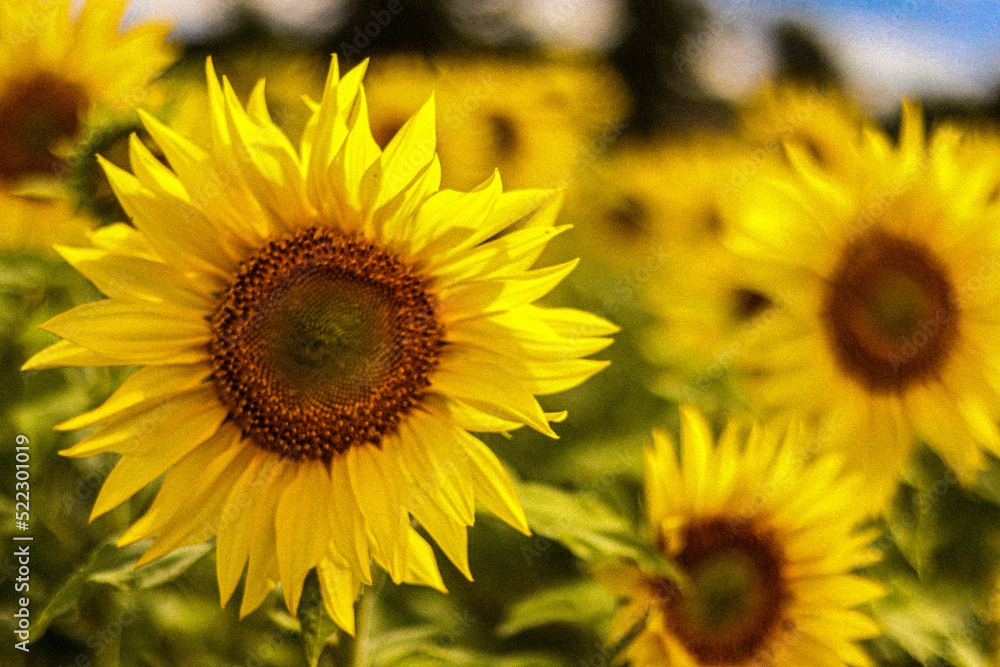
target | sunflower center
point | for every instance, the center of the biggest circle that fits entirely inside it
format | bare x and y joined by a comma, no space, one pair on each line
890,312
36,114
323,342
736,592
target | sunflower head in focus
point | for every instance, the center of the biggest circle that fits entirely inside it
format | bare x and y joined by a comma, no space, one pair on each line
885,280
59,73
765,543
319,329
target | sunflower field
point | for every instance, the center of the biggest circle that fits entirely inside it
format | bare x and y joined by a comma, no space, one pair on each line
573,333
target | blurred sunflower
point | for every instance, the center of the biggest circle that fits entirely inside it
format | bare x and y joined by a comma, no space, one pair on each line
824,121
653,199
59,75
886,283
535,120
766,544
655,212
320,331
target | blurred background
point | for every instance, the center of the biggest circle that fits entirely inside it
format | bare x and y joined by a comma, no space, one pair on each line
599,96
884,50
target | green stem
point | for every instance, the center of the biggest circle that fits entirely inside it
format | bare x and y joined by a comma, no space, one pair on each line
363,620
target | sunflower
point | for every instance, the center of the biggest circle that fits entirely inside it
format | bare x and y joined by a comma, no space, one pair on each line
885,281
61,74
319,331
765,542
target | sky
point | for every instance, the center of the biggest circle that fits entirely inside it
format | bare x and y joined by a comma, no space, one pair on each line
886,49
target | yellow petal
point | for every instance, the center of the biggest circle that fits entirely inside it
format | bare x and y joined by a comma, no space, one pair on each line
162,428
348,532
474,299
137,279
340,590
152,383
423,566
302,527
187,508
135,333
492,392
232,544
494,488
262,571
433,458
406,156
376,483
132,472
66,353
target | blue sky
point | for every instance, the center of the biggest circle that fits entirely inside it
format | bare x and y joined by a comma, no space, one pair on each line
886,49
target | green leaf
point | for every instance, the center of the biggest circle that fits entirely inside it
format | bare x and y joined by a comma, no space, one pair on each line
583,603
457,656
392,646
318,629
933,624
581,522
156,573
115,566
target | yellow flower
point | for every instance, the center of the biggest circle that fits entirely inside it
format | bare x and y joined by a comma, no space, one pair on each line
535,120
885,280
320,330
765,543
58,74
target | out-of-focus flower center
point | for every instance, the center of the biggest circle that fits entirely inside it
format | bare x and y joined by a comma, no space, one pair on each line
890,312
37,113
505,135
323,342
733,604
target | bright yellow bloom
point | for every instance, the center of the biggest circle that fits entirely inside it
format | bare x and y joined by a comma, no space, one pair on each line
885,282
320,330
59,76
766,542
707,308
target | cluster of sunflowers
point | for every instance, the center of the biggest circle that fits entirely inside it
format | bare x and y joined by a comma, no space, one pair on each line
315,327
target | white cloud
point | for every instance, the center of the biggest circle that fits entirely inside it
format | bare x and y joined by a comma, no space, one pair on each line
884,57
